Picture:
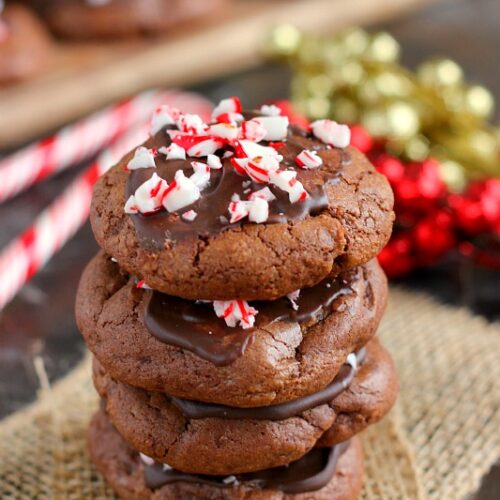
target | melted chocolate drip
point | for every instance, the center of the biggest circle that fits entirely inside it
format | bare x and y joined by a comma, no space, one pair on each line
196,409
195,327
310,473
212,208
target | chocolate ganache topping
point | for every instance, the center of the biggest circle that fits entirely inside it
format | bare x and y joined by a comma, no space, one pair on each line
195,327
196,409
212,207
310,473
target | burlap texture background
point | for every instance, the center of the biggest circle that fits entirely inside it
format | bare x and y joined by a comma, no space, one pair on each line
437,443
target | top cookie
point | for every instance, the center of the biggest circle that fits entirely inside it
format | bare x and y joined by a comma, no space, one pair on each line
248,207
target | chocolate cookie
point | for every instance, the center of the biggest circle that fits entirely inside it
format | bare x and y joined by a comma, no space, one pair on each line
122,18
280,361
24,44
126,473
185,435
345,221
367,400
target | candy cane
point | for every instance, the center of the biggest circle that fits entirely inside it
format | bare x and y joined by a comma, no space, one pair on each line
81,140
28,253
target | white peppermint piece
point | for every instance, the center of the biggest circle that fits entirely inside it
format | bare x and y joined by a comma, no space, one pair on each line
237,209
235,312
276,126
226,131
191,124
264,193
253,150
146,460
331,132
270,110
205,148
201,176
253,130
308,159
229,105
190,215
259,168
293,297
143,158
287,181
148,196
173,152
181,193
259,210
163,116
131,206
214,162
352,360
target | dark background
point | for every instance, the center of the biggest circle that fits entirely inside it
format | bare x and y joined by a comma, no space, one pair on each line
39,322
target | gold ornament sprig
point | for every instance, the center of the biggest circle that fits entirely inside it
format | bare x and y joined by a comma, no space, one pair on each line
356,77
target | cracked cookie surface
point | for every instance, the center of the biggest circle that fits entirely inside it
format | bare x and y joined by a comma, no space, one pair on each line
122,469
152,424
254,261
285,361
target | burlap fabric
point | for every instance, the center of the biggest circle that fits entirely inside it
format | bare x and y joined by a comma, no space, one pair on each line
441,438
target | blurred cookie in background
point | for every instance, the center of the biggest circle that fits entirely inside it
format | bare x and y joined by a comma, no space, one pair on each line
87,19
25,45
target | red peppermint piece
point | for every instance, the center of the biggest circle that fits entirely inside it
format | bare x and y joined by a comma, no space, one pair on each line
308,159
229,105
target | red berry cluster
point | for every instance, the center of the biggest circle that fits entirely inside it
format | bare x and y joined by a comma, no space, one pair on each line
430,220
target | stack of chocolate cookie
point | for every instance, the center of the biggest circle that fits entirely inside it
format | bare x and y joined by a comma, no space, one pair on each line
233,309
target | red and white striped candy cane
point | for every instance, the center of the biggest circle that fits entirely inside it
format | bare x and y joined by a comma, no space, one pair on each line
81,140
22,258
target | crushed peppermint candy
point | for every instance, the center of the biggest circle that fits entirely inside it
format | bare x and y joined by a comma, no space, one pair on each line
250,149
256,209
196,145
240,141
201,176
180,193
352,360
270,110
162,117
229,105
233,118
293,297
258,169
214,162
190,215
287,181
308,159
276,127
253,130
148,196
141,284
332,133
264,193
191,124
236,312
146,460
227,131
143,158
173,152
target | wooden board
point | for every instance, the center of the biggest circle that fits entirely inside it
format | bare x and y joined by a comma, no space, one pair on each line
84,77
